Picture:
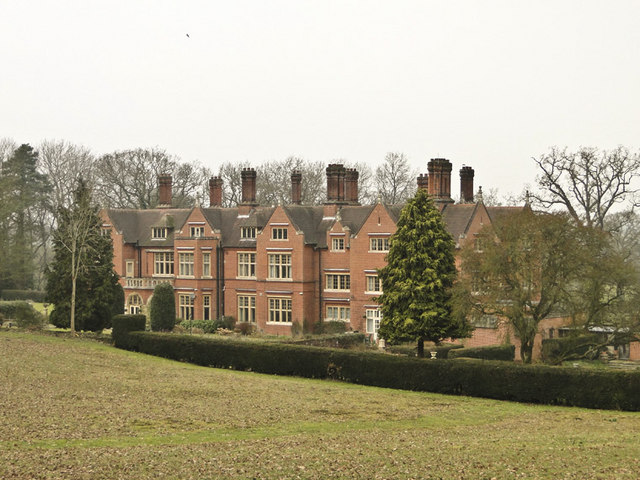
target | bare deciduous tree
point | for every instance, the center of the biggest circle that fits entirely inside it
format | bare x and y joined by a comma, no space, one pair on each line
395,180
129,179
587,183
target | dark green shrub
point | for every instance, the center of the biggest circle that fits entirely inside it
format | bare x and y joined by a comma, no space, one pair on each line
33,295
163,308
118,303
206,326
28,317
329,328
8,310
22,313
122,325
491,352
557,350
589,388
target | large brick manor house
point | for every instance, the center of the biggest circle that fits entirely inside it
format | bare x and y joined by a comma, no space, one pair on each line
277,265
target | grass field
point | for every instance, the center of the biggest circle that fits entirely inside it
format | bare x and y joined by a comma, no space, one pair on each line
79,409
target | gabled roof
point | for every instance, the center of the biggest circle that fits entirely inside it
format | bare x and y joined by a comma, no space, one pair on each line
457,218
228,222
309,220
135,225
354,216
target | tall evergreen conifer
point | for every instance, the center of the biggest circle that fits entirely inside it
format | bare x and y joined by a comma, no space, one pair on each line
417,280
81,282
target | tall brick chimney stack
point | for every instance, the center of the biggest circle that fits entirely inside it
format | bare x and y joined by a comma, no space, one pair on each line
466,185
215,192
296,187
164,190
439,181
248,186
351,186
335,176
423,182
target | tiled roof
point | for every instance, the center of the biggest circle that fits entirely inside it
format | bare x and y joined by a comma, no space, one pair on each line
135,225
457,218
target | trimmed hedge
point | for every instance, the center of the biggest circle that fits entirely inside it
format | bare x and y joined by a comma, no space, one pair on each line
122,325
341,340
490,379
442,351
492,352
33,295
556,350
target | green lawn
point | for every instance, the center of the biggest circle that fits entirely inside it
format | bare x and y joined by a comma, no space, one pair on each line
79,409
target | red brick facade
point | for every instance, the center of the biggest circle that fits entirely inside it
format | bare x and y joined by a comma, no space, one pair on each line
283,267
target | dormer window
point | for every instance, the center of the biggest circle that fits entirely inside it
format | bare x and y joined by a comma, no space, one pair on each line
158,233
196,232
247,233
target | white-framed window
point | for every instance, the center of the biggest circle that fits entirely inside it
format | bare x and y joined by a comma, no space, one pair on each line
163,263
337,244
206,264
373,316
196,232
206,307
279,310
280,266
279,233
247,308
374,284
134,304
158,233
105,231
338,314
186,302
129,269
185,264
377,244
247,233
340,281
246,264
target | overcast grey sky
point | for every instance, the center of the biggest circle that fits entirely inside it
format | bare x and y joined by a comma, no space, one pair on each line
483,83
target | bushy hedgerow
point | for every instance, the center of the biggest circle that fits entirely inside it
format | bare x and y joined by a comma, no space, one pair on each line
557,350
329,328
121,325
208,326
589,388
491,352
33,295
411,350
162,308
22,313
